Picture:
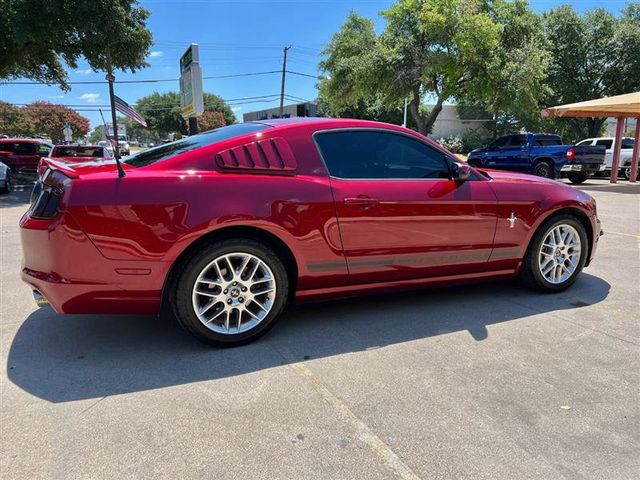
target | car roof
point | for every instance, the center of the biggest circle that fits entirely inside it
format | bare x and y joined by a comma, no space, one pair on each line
79,146
281,122
25,140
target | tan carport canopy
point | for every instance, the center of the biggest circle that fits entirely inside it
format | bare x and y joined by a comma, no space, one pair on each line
620,107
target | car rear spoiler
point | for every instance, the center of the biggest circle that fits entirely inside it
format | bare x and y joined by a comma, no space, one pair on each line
55,165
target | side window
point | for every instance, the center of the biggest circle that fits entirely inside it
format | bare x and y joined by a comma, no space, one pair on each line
606,143
517,140
500,142
627,143
583,142
548,141
25,148
380,155
7,147
44,150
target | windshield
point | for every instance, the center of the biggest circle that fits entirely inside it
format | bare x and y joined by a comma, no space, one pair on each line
77,152
168,150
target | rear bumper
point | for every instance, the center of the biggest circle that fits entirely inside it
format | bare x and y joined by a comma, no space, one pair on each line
583,168
66,270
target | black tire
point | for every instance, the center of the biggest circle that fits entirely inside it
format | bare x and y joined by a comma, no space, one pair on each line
530,274
544,169
577,178
185,281
8,184
626,173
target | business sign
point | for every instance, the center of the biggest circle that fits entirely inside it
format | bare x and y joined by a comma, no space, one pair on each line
122,130
191,97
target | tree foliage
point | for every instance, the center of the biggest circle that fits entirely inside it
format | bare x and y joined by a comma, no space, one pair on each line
49,119
14,121
592,56
36,34
162,112
498,56
429,49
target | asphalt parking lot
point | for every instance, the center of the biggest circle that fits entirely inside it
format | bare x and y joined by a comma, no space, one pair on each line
476,382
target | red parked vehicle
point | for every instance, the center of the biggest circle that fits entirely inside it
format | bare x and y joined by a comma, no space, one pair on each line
73,154
23,154
229,226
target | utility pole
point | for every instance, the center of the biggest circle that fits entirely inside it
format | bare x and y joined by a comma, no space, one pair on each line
116,147
284,75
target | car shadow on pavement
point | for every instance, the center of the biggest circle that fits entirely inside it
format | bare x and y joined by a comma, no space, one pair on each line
18,196
63,358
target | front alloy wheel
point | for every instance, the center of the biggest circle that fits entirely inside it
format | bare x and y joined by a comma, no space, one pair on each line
231,292
559,254
556,254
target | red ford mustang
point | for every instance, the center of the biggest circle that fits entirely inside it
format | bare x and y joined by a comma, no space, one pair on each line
228,226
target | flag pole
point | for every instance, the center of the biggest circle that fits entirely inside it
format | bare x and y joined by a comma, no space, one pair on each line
116,147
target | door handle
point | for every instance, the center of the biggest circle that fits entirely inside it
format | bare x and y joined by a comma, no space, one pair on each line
361,202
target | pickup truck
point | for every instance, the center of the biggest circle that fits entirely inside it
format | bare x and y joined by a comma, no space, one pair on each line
541,154
23,154
626,152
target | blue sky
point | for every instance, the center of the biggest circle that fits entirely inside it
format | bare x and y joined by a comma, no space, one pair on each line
236,36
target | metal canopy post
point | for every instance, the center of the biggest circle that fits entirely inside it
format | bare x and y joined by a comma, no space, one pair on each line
636,152
615,166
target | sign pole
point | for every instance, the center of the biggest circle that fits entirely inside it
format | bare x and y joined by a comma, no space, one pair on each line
191,95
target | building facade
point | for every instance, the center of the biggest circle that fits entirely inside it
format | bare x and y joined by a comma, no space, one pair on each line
305,109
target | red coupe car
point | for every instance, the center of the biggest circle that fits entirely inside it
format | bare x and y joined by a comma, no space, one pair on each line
229,226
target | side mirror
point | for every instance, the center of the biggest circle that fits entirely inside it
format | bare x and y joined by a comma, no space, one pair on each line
460,171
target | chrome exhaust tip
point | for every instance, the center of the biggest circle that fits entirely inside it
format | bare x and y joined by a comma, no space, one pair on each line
40,300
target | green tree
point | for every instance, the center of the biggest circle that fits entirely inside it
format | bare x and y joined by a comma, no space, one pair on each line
512,86
162,111
592,56
36,34
49,119
14,121
96,134
430,49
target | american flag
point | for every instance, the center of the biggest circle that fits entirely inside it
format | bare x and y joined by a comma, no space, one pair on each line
126,109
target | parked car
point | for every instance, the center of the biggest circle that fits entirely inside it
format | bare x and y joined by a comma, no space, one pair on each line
80,153
5,179
229,226
626,152
542,154
74,154
23,154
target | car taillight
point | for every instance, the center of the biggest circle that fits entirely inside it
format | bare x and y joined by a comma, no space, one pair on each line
571,154
47,204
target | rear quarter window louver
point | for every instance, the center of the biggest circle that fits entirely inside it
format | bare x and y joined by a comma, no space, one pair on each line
269,155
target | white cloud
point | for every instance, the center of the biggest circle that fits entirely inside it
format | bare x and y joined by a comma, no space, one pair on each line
56,96
156,54
86,71
236,109
90,97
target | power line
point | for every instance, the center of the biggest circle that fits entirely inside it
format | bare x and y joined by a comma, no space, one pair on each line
157,80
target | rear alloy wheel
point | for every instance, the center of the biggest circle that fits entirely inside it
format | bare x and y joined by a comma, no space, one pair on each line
544,169
577,177
231,293
556,255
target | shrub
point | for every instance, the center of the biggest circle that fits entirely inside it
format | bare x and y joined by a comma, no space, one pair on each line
474,139
453,144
